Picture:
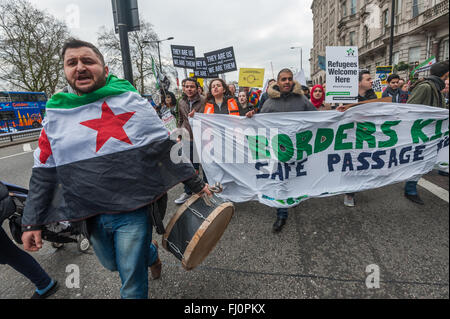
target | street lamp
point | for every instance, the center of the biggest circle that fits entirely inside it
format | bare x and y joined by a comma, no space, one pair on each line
301,56
159,54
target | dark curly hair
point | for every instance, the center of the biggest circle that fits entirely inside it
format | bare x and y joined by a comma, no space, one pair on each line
226,91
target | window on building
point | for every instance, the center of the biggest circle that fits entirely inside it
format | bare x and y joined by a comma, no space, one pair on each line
344,9
415,8
352,38
366,35
414,55
385,21
445,51
398,10
396,58
398,6
353,7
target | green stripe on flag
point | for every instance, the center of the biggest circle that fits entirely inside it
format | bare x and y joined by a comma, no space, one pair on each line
114,86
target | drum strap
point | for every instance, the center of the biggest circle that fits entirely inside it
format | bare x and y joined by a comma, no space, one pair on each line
217,188
156,213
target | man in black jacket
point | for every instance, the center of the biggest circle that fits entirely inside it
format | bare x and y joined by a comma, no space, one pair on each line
365,91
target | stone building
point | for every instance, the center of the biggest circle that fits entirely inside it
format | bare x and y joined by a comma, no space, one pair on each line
421,30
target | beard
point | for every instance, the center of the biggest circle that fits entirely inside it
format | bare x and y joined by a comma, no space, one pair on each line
99,83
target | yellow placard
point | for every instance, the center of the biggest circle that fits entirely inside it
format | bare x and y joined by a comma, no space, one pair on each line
199,80
251,77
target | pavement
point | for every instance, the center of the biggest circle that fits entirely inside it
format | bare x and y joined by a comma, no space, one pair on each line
325,251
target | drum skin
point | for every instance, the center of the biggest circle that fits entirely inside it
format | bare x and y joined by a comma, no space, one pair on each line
190,237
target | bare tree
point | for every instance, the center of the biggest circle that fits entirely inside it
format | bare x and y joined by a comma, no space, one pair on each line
141,55
30,46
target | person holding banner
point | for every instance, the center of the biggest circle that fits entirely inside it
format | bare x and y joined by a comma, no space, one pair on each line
365,93
427,92
220,101
190,102
285,95
243,99
318,98
265,95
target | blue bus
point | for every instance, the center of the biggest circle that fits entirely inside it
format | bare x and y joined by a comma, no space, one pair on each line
21,110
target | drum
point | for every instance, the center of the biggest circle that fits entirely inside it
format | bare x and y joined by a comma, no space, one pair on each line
193,232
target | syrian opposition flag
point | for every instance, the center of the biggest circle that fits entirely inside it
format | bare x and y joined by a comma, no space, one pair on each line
103,152
424,66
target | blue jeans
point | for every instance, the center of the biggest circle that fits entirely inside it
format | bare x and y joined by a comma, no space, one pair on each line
22,262
282,213
123,243
411,186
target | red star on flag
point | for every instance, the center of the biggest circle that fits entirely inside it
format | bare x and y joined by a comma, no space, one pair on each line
109,125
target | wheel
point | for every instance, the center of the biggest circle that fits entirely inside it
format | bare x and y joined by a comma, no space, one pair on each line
57,245
83,243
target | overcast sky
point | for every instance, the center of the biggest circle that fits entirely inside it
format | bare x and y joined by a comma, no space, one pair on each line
260,31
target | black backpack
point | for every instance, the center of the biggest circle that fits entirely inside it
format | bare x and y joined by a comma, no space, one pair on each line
7,207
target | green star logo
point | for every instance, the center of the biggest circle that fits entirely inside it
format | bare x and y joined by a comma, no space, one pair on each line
350,52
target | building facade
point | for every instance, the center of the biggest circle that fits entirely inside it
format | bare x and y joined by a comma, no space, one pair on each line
421,30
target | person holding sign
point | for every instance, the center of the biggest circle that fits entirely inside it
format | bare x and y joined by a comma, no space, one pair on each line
170,104
285,95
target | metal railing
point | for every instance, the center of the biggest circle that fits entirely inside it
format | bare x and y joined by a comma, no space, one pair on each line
6,138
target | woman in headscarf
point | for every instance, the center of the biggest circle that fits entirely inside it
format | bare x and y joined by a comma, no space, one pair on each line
318,98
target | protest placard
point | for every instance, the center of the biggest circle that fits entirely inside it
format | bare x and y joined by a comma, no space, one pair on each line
201,69
221,61
200,81
342,74
382,73
249,77
183,56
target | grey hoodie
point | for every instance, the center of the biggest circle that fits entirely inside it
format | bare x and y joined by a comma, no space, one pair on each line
293,101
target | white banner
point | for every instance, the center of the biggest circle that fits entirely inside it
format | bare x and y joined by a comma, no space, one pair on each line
281,159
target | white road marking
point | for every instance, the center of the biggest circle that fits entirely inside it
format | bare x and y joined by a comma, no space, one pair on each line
14,155
436,190
27,148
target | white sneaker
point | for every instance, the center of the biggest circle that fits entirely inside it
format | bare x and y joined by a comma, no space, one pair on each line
184,197
349,201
